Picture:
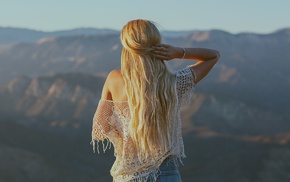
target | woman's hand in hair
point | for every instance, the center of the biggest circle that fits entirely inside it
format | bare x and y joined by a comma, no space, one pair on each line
167,52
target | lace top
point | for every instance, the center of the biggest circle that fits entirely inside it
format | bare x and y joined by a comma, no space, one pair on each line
110,125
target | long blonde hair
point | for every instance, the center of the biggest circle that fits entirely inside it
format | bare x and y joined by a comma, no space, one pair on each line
149,87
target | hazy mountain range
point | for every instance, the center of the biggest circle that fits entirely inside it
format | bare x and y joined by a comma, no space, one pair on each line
236,128
10,35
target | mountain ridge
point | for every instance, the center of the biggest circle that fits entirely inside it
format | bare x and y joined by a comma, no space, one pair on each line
246,61
11,35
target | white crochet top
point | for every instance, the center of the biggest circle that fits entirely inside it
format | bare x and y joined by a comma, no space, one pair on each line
110,125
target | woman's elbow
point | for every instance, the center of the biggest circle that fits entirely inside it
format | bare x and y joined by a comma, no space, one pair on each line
216,57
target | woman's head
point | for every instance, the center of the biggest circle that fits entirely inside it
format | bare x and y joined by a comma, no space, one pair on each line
138,36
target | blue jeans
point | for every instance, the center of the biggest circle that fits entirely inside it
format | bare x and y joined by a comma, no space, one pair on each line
168,172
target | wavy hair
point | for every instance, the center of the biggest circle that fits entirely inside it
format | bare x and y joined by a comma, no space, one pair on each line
149,87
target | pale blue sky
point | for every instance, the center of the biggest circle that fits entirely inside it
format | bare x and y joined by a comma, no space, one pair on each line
234,16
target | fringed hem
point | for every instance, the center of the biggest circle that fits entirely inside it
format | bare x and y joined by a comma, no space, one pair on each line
106,144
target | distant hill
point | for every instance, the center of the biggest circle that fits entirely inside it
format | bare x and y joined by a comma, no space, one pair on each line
91,54
10,35
252,74
251,65
59,101
66,102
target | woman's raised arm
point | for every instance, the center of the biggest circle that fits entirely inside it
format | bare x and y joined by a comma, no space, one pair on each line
206,58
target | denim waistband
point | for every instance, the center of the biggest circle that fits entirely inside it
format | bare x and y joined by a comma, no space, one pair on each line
170,163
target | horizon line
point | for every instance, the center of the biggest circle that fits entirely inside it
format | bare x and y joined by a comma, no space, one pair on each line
165,30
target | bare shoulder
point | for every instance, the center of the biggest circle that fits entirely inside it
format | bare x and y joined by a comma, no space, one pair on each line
115,76
115,73
115,86
115,80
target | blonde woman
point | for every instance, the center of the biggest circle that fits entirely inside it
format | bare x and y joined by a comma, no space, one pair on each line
139,110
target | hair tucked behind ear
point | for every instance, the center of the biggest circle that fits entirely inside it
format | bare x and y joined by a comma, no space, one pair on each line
150,89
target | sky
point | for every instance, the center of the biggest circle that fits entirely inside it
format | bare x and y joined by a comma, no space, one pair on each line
234,16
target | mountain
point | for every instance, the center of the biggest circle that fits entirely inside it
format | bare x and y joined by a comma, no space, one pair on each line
59,101
52,117
252,66
68,101
248,85
10,35
60,55
236,126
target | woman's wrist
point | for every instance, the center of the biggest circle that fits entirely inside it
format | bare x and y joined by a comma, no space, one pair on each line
183,53
180,53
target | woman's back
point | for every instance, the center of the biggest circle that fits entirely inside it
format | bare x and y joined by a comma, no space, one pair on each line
128,165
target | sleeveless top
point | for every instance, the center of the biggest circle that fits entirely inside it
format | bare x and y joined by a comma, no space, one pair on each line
110,126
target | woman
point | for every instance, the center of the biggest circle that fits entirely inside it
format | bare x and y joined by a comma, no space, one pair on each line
139,110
